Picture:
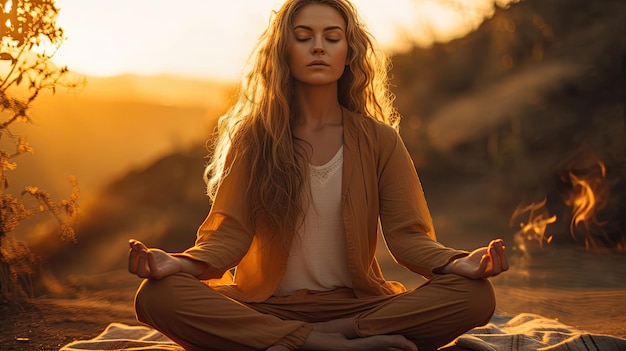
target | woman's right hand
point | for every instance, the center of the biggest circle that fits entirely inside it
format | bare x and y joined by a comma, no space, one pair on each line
151,263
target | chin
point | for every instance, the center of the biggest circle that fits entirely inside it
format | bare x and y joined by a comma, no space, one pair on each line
317,81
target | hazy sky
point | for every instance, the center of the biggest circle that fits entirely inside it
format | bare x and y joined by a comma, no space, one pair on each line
212,39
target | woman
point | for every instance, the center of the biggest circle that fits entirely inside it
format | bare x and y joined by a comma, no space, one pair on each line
308,166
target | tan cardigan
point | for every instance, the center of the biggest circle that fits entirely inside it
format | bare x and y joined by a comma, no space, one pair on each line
379,183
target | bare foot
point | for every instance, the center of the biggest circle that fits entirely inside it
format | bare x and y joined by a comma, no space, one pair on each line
342,331
382,342
344,326
335,341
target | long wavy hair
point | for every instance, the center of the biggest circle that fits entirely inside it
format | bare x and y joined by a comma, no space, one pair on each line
257,129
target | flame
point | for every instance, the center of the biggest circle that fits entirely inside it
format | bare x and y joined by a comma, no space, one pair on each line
535,227
587,199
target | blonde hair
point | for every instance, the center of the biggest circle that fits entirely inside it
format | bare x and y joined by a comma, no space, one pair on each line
257,130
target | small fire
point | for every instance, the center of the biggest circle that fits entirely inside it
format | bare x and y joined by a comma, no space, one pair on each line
534,228
588,197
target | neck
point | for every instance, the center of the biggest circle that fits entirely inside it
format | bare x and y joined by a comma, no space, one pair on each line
317,105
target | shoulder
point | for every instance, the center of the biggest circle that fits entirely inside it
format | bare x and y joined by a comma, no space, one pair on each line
373,130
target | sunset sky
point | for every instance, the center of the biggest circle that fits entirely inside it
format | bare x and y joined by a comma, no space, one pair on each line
204,39
212,39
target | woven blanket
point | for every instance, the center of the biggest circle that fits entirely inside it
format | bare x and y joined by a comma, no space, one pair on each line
533,332
523,332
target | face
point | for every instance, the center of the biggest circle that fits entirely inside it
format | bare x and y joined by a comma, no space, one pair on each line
318,53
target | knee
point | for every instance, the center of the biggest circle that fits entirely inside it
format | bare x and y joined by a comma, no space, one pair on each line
479,299
474,298
156,298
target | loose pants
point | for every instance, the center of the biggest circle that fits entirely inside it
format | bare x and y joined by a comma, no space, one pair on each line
198,317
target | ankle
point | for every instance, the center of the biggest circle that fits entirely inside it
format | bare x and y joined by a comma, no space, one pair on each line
319,340
343,326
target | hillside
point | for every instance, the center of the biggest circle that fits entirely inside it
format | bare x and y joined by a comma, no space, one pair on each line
110,127
536,94
492,120
100,130
163,204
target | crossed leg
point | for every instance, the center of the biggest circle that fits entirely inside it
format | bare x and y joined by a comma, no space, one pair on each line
199,318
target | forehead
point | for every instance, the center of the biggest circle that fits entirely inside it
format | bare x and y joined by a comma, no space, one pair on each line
318,15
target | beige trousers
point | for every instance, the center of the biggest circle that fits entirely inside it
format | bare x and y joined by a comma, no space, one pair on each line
200,318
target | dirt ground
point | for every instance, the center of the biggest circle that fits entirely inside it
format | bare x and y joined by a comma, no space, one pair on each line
580,289
48,323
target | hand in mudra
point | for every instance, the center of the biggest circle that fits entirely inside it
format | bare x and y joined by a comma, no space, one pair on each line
481,263
151,263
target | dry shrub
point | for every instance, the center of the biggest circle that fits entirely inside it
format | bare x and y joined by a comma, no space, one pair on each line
29,39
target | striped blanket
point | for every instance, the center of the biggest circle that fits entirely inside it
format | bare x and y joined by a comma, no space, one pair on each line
523,332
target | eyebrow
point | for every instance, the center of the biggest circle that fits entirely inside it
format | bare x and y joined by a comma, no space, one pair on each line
325,29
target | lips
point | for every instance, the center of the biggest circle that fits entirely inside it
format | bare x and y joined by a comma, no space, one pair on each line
318,63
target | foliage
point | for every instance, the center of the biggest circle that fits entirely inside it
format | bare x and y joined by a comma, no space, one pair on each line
30,37
524,102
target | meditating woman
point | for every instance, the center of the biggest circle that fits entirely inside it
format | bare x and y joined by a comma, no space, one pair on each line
308,167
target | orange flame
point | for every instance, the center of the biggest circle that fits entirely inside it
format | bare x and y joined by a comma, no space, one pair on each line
534,228
587,198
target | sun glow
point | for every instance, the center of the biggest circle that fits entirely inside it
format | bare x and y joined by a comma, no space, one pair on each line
213,39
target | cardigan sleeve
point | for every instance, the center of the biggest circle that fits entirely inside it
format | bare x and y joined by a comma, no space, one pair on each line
406,221
226,234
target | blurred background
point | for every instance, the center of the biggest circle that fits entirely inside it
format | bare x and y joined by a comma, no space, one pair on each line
513,112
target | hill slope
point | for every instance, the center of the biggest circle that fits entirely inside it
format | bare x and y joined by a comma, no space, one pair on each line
527,92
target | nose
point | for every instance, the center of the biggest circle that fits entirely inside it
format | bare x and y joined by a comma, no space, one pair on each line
318,49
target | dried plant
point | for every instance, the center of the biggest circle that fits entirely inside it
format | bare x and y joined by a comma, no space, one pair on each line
30,37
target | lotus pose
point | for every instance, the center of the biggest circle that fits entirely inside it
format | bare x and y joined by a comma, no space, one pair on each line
308,168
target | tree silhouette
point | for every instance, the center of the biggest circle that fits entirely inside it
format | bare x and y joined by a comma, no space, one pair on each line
30,38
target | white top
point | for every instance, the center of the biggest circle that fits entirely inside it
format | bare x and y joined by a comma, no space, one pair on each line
318,257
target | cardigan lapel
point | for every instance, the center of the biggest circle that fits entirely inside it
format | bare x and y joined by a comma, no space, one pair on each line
350,149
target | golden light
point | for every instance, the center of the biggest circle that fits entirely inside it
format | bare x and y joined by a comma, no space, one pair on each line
197,39
209,39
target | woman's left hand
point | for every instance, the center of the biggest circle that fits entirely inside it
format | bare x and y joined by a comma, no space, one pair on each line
481,263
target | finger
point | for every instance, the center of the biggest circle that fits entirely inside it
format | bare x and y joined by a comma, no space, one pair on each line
137,245
143,269
500,262
504,262
494,243
496,265
136,258
499,255
152,264
132,261
134,246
